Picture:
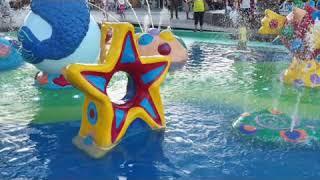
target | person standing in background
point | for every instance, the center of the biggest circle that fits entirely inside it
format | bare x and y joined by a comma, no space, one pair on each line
121,8
106,9
229,12
187,6
198,9
174,4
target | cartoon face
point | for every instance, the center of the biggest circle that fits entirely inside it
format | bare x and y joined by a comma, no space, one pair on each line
162,43
272,23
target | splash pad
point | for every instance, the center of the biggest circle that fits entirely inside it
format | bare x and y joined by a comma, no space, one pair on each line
299,32
274,126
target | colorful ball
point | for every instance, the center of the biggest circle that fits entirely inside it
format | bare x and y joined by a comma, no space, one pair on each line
54,36
164,49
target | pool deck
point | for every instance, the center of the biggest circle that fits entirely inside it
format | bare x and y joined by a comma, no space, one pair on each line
181,23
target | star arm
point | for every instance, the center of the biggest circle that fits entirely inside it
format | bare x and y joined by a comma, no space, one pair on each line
74,74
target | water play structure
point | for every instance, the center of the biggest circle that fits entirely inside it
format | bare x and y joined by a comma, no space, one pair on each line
299,32
104,123
51,43
275,126
201,100
55,34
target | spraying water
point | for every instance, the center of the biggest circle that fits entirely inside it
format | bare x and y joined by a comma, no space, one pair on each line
6,15
245,101
135,14
146,23
104,12
164,17
149,13
275,105
242,43
294,116
234,16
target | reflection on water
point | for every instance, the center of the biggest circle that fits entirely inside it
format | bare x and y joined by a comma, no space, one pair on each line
201,101
46,152
197,144
222,74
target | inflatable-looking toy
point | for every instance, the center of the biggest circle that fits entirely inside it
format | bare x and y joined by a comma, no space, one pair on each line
274,126
104,123
299,32
156,42
10,57
57,33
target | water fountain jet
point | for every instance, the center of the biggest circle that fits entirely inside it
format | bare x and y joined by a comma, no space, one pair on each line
135,14
149,13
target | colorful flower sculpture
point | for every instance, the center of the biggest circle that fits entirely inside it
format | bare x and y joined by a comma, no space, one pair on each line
104,123
300,33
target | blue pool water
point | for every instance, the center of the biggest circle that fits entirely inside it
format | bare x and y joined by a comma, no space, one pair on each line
198,144
201,102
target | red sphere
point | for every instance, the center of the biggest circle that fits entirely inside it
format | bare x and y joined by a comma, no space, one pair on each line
164,49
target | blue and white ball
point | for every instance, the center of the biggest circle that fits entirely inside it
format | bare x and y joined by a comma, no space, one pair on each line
87,52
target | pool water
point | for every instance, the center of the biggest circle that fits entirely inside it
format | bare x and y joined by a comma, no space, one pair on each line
201,101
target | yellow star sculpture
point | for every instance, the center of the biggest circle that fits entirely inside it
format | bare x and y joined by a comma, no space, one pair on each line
104,123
